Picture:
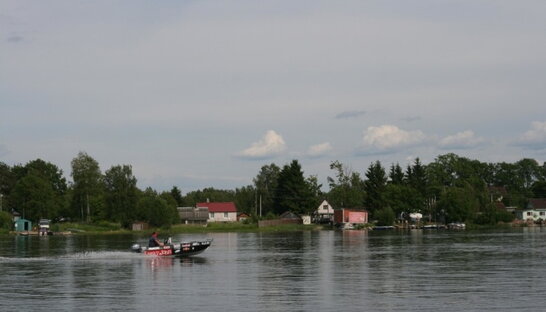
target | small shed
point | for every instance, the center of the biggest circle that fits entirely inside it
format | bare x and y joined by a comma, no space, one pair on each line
289,215
353,216
191,215
23,225
140,226
242,217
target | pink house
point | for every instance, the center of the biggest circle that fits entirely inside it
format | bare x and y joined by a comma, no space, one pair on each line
352,216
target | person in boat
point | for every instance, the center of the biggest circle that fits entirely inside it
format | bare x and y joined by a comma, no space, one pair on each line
153,241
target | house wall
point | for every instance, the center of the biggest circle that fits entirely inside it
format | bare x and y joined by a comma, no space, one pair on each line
221,217
265,223
533,214
358,217
328,210
350,216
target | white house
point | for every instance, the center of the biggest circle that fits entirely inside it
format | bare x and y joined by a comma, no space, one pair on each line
324,212
220,212
532,214
536,210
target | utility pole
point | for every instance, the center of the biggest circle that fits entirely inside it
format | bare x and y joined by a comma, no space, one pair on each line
87,198
260,205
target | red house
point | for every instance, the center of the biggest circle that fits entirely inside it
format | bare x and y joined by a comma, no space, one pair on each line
220,211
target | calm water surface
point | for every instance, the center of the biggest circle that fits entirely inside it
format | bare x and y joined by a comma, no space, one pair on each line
302,271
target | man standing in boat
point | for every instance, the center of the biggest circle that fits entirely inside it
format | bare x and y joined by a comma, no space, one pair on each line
153,241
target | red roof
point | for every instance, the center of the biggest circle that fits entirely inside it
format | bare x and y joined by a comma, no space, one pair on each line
219,207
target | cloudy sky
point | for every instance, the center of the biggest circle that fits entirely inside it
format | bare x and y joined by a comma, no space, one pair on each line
204,93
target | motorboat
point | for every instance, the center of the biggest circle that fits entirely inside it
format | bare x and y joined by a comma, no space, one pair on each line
184,249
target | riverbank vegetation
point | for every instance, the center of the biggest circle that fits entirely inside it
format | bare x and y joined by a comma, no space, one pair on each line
449,189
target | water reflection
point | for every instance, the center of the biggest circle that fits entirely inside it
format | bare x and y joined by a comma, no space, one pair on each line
304,271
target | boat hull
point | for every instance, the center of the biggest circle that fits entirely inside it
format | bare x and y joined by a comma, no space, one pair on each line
185,249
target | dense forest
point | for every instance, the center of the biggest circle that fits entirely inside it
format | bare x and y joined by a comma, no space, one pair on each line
450,189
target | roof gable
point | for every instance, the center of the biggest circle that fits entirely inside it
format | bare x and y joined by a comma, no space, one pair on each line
537,203
219,206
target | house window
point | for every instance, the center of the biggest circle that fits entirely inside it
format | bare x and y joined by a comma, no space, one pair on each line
212,215
325,207
542,213
528,213
225,215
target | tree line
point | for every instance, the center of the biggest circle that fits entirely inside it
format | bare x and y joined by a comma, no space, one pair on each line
449,189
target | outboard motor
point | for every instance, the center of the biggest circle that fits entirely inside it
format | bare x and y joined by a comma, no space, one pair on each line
135,248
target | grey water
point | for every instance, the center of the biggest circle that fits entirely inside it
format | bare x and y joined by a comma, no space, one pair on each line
298,271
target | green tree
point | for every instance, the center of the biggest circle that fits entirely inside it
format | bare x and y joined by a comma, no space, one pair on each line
245,199
539,189
347,189
121,194
172,204
35,198
6,222
375,185
87,189
265,184
7,182
293,192
458,204
209,194
40,190
396,175
154,209
403,199
417,178
385,216
177,195
492,215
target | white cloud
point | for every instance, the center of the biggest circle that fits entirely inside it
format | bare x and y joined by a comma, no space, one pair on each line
534,138
319,149
461,140
271,144
389,138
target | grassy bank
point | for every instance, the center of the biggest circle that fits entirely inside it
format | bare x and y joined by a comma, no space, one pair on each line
115,228
90,228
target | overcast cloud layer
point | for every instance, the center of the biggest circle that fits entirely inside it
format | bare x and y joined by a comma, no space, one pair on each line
203,93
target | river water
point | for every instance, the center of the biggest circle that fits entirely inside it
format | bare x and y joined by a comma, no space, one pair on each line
299,271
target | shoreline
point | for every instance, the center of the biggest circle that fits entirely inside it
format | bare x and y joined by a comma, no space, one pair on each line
116,229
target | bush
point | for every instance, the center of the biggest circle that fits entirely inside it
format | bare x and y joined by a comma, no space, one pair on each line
5,221
385,216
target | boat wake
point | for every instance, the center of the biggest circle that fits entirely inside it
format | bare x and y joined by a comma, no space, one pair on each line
79,256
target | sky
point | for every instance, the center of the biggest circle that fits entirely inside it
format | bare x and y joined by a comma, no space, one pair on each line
204,93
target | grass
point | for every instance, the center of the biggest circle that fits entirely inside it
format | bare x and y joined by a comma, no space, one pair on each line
239,227
116,228
92,228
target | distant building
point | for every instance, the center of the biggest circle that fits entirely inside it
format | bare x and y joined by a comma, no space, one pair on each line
43,227
287,217
497,193
348,217
192,215
23,225
220,211
139,226
535,210
324,213
242,217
